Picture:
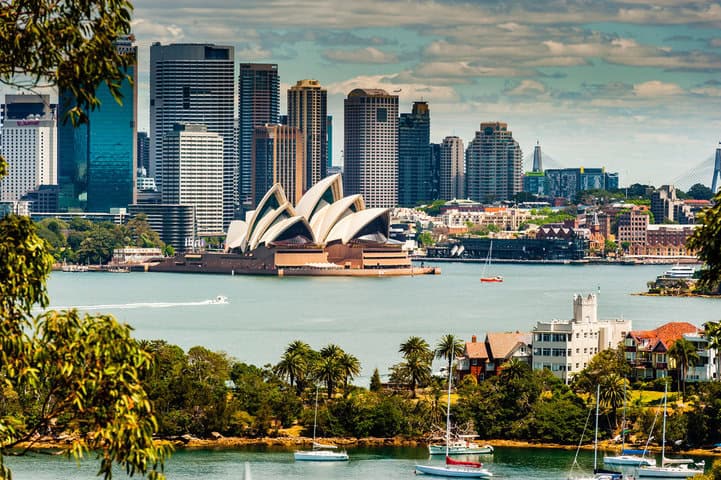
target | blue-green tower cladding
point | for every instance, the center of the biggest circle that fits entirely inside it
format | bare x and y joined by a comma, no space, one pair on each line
96,161
415,175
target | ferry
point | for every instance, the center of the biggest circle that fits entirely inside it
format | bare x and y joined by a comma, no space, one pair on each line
680,271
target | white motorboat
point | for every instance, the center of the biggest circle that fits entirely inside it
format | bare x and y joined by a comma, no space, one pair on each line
320,452
461,445
219,300
670,467
679,271
453,468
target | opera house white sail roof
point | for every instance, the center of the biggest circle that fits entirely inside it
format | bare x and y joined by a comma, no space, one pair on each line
321,217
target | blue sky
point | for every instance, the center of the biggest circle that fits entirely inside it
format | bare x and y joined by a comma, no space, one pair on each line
630,85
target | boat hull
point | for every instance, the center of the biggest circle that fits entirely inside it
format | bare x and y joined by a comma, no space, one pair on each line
459,450
629,461
668,472
320,456
453,471
492,280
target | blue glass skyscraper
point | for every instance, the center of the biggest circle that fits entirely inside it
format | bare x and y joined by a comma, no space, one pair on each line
415,182
96,161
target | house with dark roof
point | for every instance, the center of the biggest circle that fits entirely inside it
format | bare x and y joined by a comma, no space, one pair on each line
647,350
485,359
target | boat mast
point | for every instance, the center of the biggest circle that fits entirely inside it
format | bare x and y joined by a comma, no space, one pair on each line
315,416
623,422
663,437
448,410
595,438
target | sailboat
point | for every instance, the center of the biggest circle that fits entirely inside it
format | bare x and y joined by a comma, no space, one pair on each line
453,468
320,452
670,468
633,458
489,279
598,473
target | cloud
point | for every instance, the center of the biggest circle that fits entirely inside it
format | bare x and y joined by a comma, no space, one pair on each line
526,88
656,88
362,55
151,31
406,91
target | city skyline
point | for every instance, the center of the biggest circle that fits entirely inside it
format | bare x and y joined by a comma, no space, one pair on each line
627,85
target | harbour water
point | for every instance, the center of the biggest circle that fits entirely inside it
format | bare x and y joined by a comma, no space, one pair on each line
368,317
365,464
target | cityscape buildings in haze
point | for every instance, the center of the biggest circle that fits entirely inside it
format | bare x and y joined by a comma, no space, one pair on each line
494,163
370,166
194,83
415,182
452,178
279,157
192,170
28,144
258,105
307,111
97,160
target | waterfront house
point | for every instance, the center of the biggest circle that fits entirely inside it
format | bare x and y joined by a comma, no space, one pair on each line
485,359
647,350
566,346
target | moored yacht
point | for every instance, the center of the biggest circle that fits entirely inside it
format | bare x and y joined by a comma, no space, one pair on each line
679,271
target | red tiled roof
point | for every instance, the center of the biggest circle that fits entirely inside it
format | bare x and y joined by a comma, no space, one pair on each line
665,334
476,350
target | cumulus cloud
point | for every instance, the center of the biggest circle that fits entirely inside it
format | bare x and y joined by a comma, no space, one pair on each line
406,91
361,55
656,88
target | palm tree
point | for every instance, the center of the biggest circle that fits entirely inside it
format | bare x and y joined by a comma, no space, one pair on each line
328,370
613,390
712,331
449,347
416,370
296,364
685,355
331,350
350,366
514,369
416,346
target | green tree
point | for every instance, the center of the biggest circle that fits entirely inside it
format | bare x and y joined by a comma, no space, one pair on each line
350,367
699,191
425,239
416,368
296,364
706,241
685,355
416,346
376,384
328,368
613,391
449,348
140,234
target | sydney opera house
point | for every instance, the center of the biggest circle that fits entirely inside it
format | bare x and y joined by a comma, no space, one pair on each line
324,234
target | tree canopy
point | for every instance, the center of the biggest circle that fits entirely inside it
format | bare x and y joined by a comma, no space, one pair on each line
706,240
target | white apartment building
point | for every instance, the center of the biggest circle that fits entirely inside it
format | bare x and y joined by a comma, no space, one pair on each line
566,346
505,219
29,145
193,174
705,369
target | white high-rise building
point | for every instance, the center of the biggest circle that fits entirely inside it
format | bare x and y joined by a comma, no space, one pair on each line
194,83
193,174
452,177
29,145
370,165
566,346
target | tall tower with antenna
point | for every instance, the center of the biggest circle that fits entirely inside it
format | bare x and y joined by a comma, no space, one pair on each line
716,170
537,158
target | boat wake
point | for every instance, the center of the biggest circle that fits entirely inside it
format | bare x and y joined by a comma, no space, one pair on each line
219,300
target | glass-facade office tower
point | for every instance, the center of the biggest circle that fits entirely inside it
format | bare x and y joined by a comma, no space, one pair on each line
414,156
97,160
193,174
279,157
329,131
194,83
258,104
494,164
28,144
307,107
370,166
144,152
453,180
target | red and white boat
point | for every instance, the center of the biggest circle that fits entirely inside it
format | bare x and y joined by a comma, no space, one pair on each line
489,279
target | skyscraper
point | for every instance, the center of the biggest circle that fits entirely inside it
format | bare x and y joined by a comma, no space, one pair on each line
279,157
144,151
307,107
193,83
414,156
537,158
97,160
29,145
329,132
371,146
716,169
453,182
258,104
494,164
193,161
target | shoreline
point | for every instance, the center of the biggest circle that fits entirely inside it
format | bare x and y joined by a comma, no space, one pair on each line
289,443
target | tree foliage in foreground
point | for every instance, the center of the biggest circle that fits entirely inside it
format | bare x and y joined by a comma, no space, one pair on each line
706,240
